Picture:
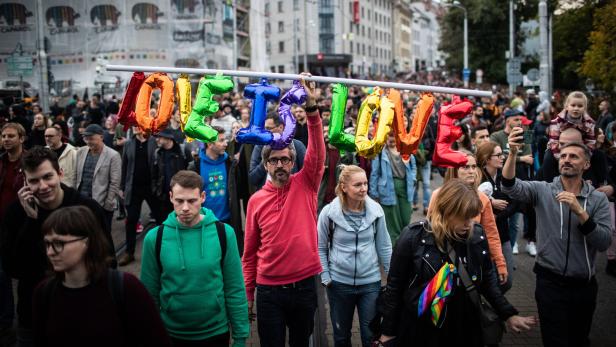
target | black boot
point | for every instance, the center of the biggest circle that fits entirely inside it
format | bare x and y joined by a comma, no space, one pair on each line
611,267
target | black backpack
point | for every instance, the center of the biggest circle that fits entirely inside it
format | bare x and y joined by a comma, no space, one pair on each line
222,238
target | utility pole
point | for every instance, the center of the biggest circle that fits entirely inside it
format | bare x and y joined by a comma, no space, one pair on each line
544,65
42,58
511,41
295,57
235,56
550,57
306,69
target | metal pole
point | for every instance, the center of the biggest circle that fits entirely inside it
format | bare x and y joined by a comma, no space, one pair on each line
295,57
511,42
235,41
282,76
465,46
544,68
42,58
550,57
306,69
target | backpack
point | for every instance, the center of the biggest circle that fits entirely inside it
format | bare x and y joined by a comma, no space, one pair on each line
222,239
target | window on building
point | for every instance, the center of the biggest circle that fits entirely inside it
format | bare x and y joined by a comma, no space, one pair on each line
295,5
281,68
363,31
273,68
368,32
299,46
351,47
268,48
280,26
369,51
358,48
280,6
362,12
351,26
327,25
268,28
363,49
281,47
267,9
369,14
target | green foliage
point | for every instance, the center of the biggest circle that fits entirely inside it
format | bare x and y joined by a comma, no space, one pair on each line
488,35
599,62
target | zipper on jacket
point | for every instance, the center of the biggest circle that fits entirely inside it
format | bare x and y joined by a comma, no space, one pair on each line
424,259
355,271
413,281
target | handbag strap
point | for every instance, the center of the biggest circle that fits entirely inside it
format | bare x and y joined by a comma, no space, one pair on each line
471,289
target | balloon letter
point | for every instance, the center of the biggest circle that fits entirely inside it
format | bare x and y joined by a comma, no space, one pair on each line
296,95
337,136
205,106
408,142
448,133
366,147
261,93
183,95
126,116
160,81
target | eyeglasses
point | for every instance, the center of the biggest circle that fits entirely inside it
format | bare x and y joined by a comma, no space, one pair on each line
275,161
498,155
58,245
469,167
49,136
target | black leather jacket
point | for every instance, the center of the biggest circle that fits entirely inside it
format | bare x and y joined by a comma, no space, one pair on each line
415,261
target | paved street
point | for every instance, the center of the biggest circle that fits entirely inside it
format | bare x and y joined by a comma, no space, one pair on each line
521,295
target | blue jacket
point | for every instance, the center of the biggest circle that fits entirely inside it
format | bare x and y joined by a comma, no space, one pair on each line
382,180
353,258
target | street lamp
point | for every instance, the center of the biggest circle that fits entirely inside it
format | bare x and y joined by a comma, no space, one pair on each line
460,6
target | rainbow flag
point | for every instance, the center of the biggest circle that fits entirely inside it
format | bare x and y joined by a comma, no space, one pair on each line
435,294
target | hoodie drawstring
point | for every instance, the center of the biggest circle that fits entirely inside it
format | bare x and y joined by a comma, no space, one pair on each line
180,249
202,241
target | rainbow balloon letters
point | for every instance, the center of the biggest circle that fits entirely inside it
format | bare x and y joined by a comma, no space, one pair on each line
449,132
296,95
205,106
256,133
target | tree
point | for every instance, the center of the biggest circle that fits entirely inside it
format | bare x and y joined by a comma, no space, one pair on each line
488,35
571,29
599,62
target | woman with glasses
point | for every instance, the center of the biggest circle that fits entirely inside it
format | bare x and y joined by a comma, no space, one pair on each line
353,243
490,159
471,175
84,303
448,240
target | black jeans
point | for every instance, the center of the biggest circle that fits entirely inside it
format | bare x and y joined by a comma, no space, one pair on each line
221,340
565,311
292,306
134,212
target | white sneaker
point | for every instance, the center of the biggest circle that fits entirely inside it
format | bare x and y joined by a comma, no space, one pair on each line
531,249
515,249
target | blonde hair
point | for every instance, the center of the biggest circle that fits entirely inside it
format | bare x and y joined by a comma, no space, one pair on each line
577,95
455,200
452,173
346,171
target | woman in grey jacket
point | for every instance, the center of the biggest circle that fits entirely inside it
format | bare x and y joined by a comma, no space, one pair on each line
353,239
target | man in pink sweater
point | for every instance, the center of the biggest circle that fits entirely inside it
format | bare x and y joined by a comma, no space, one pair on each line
280,251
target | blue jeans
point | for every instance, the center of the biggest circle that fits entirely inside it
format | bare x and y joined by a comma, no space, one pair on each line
424,171
292,306
516,224
343,298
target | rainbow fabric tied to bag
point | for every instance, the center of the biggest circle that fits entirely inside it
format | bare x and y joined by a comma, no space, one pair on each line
434,296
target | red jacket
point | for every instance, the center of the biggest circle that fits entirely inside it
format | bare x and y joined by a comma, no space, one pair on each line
281,223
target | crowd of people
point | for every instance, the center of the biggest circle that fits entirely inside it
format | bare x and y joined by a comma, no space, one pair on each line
243,232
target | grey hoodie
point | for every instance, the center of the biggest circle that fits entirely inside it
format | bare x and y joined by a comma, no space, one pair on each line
354,256
554,222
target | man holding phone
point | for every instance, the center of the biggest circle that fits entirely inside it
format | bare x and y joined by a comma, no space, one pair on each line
21,247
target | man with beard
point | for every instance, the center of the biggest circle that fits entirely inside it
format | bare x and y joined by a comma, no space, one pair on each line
99,171
23,252
280,253
566,288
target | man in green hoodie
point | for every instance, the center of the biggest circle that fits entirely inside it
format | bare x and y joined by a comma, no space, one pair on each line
197,284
